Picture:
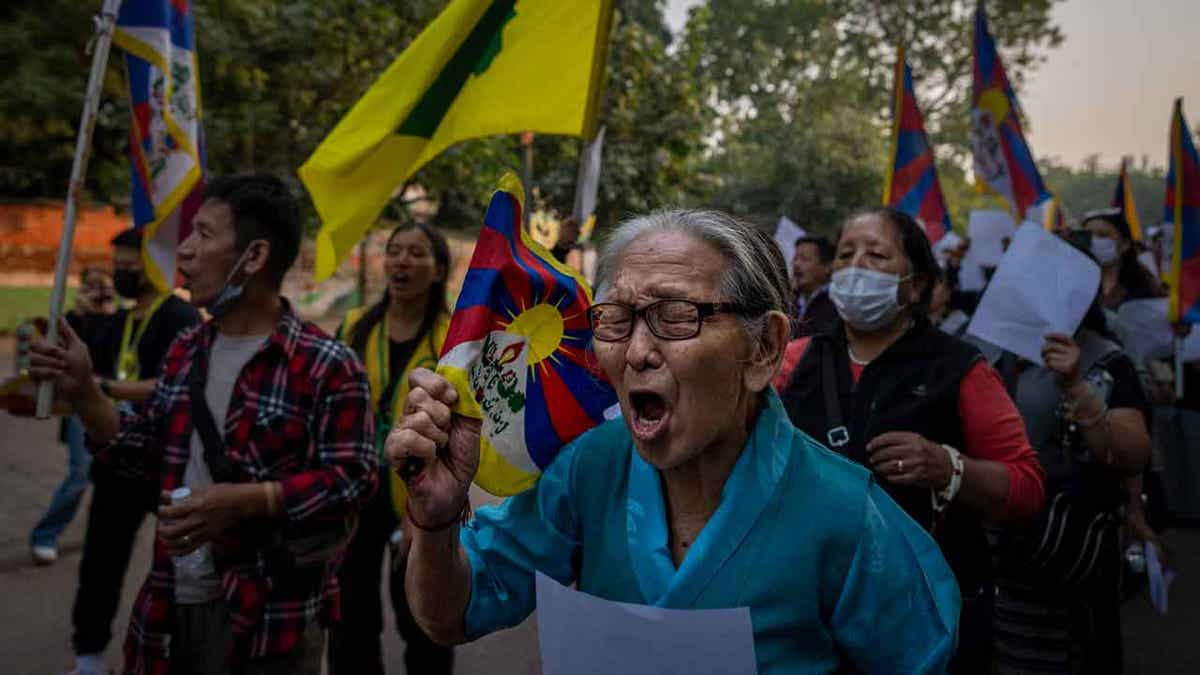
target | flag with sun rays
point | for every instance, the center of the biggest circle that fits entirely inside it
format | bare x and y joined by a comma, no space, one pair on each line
519,351
1004,163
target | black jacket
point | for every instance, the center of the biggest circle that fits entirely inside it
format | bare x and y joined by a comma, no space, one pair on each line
912,386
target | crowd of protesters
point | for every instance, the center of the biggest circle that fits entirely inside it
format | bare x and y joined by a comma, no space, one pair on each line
824,445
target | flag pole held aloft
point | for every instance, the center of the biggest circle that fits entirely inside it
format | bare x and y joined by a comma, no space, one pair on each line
83,145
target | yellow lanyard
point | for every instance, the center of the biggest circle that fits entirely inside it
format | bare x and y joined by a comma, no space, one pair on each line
127,359
385,351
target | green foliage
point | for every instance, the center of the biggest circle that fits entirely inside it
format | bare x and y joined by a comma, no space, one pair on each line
43,73
805,86
1091,187
760,107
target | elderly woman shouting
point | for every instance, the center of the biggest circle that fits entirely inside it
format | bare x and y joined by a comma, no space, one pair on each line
921,409
703,496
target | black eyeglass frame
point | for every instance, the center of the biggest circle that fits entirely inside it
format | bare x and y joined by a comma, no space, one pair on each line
704,310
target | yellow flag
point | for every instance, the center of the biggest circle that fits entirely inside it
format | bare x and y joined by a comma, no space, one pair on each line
483,67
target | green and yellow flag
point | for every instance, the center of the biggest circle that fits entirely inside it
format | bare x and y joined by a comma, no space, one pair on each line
483,67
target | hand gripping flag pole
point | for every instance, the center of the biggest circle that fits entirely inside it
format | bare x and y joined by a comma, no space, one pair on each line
102,40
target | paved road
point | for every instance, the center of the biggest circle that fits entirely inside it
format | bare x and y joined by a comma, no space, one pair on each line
35,611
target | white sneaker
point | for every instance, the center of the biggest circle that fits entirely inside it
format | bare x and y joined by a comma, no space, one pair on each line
88,664
45,555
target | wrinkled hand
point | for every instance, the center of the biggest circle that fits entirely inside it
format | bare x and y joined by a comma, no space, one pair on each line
906,458
203,517
1061,354
446,443
67,363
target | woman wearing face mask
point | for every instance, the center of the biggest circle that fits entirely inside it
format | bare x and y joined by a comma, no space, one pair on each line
1122,276
920,408
404,330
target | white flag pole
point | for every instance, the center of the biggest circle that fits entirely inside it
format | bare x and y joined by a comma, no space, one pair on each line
102,40
1178,367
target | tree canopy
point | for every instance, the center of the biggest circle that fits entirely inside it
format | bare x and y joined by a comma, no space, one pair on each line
760,107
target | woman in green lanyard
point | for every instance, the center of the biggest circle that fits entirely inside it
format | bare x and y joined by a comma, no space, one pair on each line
404,330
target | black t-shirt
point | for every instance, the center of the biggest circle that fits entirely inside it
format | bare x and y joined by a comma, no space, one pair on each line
96,331
1126,385
172,318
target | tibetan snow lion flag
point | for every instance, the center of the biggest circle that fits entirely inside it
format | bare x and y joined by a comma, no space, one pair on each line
1183,209
911,184
166,140
1003,164
519,351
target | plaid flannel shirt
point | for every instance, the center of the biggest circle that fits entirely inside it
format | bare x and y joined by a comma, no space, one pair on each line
300,414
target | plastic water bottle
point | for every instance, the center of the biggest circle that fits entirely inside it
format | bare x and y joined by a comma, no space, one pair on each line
193,560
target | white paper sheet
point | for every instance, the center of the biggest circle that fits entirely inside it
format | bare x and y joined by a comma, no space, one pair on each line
1042,285
1144,330
987,231
1191,346
1160,579
584,635
1148,261
949,241
786,234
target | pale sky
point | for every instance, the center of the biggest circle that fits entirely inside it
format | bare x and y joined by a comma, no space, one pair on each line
1108,89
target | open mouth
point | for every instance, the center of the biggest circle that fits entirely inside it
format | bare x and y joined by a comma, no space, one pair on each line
400,279
650,414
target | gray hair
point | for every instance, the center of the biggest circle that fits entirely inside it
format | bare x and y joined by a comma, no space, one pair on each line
756,279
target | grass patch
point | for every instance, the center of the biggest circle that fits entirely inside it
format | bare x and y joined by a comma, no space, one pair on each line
18,303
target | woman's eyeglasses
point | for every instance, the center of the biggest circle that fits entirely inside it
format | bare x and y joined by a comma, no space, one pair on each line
667,319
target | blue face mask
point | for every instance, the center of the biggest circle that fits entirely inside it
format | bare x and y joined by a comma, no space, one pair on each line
1105,250
866,299
231,291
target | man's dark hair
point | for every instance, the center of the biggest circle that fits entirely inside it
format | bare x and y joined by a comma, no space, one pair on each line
263,208
825,247
131,238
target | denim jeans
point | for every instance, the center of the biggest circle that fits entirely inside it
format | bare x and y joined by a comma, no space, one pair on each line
65,502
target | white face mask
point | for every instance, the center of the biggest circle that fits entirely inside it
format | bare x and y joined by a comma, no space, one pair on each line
1105,250
865,299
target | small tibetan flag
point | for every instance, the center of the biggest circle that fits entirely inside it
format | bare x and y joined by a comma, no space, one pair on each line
1003,163
911,184
519,351
166,138
1183,209
1123,199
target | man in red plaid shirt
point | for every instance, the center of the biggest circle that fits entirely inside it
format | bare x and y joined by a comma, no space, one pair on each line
244,572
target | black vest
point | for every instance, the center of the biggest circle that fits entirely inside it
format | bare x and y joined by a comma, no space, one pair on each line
912,386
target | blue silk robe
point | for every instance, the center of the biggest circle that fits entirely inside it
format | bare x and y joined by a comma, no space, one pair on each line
835,574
